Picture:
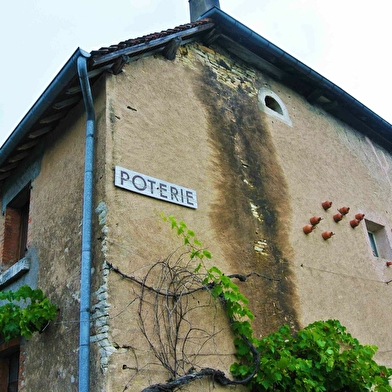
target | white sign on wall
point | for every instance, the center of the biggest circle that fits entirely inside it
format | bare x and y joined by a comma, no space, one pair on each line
152,187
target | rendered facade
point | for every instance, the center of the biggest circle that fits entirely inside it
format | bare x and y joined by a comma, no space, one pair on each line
208,123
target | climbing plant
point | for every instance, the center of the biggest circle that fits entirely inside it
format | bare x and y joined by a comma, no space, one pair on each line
321,357
26,311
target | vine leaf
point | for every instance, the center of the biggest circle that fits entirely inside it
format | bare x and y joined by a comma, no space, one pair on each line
31,315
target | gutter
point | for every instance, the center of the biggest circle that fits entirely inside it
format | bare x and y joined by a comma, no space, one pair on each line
249,38
85,275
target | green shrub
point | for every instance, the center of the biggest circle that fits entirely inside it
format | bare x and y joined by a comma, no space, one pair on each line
33,313
321,357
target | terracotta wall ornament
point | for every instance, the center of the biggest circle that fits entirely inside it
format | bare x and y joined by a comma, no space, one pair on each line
354,223
327,234
338,217
315,220
344,210
326,204
307,229
359,216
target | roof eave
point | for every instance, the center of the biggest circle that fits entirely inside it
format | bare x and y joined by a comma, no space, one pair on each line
369,122
43,103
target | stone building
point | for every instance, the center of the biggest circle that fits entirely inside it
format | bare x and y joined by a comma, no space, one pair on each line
215,125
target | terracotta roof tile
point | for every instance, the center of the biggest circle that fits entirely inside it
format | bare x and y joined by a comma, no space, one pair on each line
149,37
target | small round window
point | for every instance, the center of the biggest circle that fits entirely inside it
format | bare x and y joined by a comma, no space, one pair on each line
272,105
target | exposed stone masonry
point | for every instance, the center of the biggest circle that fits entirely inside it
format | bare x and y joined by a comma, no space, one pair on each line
229,71
100,310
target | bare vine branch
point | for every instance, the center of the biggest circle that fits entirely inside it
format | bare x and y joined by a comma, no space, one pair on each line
209,286
217,375
243,278
163,293
164,306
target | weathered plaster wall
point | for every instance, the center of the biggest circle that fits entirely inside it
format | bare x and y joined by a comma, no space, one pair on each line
55,228
195,122
296,168
155,128
324,159
186,124
51,362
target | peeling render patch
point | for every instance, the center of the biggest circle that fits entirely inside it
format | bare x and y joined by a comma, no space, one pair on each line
102,211
261,246
100,311
75,294
248,183
255,212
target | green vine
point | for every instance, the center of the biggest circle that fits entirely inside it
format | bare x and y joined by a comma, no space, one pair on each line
27,311
321,357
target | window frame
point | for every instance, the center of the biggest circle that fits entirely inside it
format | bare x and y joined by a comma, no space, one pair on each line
373,243
378,239
13,371
15,229
271,104
10,360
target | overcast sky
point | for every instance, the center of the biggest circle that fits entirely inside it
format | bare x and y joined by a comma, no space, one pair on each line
346,41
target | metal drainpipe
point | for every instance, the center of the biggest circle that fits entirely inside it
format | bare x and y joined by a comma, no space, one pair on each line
85,275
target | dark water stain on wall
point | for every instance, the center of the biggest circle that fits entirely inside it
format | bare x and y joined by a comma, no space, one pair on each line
253,209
